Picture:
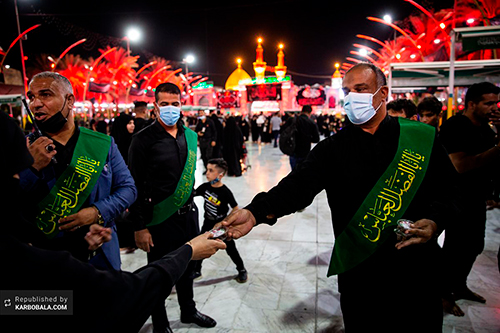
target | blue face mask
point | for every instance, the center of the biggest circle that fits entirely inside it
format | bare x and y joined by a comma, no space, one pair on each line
215,181
170,114
359,107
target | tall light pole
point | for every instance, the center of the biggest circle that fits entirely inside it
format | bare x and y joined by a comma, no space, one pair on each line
188,60
25,80
132,35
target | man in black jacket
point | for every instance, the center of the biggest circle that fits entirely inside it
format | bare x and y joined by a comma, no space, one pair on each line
307,133
395,287
162,159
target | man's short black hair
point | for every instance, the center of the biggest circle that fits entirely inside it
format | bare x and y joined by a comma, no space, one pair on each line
403,105
167,87
477,90
219,163
430,104
140,104
307,109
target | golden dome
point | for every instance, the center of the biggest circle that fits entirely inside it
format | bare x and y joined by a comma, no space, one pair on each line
236,76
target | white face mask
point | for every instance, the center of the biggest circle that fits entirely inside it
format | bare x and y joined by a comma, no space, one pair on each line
359,107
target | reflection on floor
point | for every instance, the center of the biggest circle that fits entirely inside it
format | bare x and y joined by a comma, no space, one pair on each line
287,289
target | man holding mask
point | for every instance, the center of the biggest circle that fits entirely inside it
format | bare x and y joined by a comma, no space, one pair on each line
387,176
162,160
82,180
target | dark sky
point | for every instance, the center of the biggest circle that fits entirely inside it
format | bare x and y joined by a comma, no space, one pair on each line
315,34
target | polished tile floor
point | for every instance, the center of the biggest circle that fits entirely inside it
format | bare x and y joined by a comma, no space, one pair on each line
287,288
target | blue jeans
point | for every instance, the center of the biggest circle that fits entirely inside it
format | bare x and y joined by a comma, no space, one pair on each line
276,134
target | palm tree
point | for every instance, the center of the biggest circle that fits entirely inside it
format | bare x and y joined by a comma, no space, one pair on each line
73,67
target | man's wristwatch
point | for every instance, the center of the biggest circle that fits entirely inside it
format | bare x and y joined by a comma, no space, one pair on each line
99,220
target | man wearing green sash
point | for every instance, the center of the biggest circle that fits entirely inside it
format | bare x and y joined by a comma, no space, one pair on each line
162,160
375,171
78,177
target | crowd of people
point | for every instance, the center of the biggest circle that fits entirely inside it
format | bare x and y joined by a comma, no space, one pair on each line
76,195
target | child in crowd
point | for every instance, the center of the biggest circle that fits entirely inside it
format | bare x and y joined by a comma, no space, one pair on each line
218,197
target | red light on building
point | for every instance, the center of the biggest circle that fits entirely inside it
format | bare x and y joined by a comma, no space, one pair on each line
461,107
444,108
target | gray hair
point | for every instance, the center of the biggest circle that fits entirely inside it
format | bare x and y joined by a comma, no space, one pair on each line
381,79
62,80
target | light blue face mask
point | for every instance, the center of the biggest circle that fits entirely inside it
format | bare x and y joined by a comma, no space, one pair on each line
170,114
359,107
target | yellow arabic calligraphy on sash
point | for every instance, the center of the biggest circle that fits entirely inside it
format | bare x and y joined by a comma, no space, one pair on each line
68,195
185,182
390,198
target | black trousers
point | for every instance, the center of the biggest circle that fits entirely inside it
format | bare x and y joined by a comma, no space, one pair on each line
167,237
464,241
206,150
230,250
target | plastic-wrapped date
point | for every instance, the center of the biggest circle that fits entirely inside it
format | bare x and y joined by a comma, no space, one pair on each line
219,233
402,226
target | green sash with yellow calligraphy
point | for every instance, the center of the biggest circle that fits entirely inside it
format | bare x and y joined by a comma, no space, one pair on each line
376,218
75,184
176,200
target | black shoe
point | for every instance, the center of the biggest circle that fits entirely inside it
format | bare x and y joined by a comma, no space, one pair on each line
242,276
199,319
165,330
196,275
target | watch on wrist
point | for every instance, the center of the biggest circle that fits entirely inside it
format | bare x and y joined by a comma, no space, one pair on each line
99,220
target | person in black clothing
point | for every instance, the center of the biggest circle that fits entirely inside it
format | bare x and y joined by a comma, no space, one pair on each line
219,129
207,135
101,125
122,130
232,147
307,133
254,128
103,301
218,197
244,127
158,156
473,148
400,276
141,115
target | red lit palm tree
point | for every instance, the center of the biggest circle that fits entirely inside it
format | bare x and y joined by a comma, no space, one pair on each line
73,67
117,69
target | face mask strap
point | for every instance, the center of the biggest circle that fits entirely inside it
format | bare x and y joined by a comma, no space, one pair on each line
64,104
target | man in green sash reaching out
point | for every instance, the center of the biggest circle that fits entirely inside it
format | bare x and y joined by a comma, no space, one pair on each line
162,160
391,169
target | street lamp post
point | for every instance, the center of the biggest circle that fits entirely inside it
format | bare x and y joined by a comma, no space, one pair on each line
188,60
132,35
25,83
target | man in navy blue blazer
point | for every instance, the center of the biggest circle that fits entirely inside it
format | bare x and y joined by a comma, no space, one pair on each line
78,177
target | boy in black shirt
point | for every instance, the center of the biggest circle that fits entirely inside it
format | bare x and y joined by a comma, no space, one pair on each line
218,197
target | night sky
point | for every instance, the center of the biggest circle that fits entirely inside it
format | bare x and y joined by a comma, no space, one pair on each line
316,34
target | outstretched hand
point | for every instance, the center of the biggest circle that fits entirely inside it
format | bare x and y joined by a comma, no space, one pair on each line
238,223
419,232
205,247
